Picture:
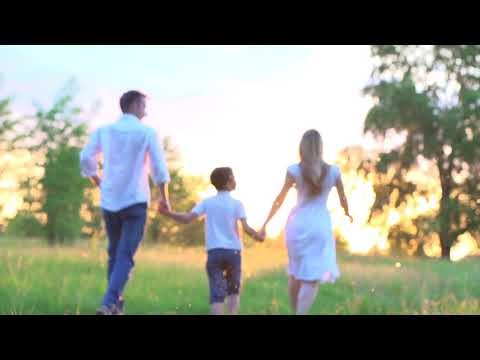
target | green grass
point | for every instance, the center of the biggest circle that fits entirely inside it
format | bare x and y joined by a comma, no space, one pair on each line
39,280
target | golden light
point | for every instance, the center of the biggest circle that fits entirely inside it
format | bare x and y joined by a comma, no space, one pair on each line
466,246
11,206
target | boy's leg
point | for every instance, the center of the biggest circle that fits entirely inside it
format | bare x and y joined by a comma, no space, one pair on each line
233,303
133,225
306,296
216,282
233,277
293,290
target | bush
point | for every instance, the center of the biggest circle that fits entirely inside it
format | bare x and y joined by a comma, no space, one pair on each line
25,224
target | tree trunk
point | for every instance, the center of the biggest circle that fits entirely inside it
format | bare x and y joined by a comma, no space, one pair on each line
445,246
445,219
446,252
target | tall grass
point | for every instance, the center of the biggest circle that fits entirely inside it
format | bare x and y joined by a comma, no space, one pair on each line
35,279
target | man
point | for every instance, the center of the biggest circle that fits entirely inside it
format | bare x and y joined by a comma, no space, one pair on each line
127,146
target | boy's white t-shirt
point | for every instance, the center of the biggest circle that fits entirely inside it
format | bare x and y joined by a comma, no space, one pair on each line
222,213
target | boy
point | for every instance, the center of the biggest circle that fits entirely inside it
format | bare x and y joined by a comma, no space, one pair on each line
223,242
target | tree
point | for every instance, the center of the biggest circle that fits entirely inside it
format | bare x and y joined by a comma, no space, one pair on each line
7,139
429,96
57,137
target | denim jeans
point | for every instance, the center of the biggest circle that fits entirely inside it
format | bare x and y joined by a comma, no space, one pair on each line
125,230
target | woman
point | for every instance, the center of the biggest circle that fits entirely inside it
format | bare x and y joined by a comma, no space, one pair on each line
308,233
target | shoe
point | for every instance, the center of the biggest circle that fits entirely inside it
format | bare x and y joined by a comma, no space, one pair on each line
106,310
118,309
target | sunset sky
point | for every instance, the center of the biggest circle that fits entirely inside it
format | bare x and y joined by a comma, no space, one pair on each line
239,106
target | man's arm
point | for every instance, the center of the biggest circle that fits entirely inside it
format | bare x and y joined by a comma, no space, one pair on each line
159,169
164,198
88,158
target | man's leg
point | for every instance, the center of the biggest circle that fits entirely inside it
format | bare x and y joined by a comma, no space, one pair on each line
217,308
113,227
133,225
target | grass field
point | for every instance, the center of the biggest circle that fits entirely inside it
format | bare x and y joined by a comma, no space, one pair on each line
35,279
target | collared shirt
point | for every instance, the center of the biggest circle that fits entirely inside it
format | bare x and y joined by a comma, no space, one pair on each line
127,147
221,224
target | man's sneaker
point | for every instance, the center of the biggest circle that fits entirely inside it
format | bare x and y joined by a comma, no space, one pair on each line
106,310
118,310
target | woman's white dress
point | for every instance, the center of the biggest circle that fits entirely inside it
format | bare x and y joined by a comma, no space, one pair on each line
309,236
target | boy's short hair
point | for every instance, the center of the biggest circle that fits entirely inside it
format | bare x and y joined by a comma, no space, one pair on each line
129,98
220,176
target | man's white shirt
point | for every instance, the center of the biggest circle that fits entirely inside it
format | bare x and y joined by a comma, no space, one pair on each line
129,150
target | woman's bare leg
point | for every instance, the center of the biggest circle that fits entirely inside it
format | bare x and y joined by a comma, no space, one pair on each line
306,296
293,289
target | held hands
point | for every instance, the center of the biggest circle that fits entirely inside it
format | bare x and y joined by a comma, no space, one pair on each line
164,207
261,235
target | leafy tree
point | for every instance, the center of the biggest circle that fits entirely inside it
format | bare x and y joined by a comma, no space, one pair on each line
429,97
57,137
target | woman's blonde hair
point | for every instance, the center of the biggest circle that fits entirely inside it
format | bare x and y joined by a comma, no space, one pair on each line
314,169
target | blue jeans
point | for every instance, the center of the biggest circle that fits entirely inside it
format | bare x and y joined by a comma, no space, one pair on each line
125,230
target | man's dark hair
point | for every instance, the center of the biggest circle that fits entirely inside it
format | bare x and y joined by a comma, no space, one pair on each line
220,176
129,98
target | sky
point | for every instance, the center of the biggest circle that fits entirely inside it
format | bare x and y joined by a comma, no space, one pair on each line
240,106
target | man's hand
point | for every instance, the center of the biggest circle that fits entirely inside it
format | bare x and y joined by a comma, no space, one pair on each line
350,217
96,180
164,207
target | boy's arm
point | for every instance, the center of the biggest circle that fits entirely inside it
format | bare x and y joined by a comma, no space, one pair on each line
250,231
183,218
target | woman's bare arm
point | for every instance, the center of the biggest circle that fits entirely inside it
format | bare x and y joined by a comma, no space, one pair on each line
343,198
279,199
